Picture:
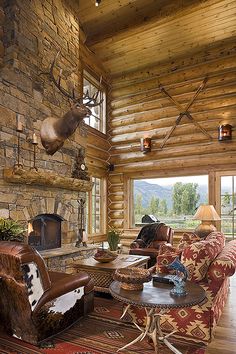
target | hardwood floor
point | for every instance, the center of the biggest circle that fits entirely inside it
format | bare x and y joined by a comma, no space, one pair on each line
225,338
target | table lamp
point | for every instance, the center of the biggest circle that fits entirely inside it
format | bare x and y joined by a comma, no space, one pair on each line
205,213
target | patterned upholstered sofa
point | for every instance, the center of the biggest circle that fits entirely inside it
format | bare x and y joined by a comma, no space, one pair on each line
210,263
36,303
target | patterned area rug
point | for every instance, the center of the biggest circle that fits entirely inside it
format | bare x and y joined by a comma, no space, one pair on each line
100,333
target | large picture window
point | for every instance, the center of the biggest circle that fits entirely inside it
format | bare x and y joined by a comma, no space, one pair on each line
97,119
172,200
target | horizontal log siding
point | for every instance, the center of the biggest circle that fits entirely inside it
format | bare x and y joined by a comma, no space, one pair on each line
139,109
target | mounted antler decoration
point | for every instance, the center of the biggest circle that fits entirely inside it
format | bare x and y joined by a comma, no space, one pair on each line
184,111
54,131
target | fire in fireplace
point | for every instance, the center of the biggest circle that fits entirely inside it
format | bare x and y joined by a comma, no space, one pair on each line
44,231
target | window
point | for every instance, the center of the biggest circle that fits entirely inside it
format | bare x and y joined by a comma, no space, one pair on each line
96,207
97,119
172,200
228,205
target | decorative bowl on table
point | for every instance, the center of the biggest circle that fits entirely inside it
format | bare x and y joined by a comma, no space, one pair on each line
104,256
132,278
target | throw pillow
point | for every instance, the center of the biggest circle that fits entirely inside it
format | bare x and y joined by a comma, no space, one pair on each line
187,239
198,256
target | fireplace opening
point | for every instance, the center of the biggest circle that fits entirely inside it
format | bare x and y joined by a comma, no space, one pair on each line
44,232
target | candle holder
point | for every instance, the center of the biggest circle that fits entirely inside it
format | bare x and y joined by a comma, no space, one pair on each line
19,129
34,143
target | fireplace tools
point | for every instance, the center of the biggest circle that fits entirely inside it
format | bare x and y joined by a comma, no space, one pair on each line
81,230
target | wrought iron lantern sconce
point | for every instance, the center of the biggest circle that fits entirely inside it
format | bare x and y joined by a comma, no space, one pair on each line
98,2
225,132
146,145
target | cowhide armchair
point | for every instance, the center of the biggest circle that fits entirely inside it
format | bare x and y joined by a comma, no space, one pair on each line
35,303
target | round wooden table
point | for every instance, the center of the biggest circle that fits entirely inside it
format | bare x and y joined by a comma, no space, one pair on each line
152,298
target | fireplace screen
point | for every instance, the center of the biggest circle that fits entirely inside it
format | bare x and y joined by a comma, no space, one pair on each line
45,232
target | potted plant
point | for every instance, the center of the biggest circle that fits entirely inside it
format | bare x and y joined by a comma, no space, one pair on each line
11,230
113,239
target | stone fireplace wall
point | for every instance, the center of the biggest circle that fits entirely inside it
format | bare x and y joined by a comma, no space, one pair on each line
2,16
33,32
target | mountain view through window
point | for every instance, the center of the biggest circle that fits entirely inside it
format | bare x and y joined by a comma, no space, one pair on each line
172,200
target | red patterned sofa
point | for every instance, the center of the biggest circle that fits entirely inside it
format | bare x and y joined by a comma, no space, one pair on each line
210,263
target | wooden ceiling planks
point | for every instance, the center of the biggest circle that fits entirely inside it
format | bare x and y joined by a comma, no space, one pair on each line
163,36
115,16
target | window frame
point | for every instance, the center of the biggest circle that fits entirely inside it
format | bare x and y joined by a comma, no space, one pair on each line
218,176
161,177
128,195
93,79
103,209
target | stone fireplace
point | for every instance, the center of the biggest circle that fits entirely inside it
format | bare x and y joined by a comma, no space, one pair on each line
31,33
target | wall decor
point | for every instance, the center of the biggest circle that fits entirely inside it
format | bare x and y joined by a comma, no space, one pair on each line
54,131
184,111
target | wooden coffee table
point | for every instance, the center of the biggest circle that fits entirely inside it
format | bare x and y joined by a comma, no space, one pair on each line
102,273
152,298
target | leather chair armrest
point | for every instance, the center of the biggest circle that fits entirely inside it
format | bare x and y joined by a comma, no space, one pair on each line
137,244
62,283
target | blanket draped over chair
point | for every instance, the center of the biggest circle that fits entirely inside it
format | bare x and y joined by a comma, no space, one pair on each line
148,233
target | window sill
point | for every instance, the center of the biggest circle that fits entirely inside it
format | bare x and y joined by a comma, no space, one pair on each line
95,131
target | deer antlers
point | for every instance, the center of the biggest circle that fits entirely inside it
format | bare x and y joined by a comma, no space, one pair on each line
89,101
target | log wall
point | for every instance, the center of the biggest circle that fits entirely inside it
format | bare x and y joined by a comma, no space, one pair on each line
139,109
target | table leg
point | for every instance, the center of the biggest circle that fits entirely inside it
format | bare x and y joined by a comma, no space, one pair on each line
152,330
162,337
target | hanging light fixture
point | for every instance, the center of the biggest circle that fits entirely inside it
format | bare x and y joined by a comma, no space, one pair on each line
98,2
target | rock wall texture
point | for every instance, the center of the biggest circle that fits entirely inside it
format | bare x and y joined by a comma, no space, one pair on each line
2,17
31,33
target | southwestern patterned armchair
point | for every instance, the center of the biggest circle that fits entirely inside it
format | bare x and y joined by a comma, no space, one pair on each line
35,303
210,263
149,240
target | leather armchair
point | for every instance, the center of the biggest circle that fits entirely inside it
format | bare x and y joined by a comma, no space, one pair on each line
35,303
149,240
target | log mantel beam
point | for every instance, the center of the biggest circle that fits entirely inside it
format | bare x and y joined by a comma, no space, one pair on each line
45,178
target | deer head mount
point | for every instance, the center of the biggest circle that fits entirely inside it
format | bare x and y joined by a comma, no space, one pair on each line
54,131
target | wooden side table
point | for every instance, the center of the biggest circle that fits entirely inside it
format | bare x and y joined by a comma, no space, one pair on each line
152,298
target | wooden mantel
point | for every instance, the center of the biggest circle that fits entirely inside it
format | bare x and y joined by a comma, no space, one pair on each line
45,178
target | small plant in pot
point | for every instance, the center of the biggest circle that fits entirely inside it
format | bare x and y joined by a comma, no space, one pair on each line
11,230
113,239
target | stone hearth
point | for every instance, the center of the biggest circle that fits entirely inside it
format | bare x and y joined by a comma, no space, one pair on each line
63,259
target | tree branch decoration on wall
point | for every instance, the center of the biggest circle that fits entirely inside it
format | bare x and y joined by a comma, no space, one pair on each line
184,111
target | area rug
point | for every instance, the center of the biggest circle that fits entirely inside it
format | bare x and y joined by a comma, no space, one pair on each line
100,333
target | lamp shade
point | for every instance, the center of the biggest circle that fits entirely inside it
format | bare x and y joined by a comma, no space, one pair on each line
206,213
